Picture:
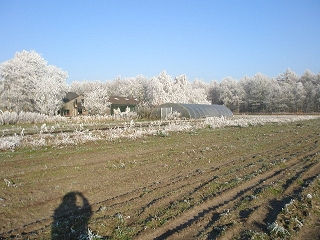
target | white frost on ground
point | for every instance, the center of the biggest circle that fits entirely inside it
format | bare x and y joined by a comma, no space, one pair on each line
133,131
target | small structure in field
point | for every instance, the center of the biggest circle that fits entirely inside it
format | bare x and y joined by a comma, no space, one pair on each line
122,103
73,105
191,111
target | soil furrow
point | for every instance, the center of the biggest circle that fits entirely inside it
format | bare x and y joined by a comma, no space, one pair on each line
192,216
217,183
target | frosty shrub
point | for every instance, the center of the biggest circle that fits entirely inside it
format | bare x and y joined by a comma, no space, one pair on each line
32,117
91,118
144,110
174,115
7,118
215,122
177,126
10,142
277,230
245,121
128,115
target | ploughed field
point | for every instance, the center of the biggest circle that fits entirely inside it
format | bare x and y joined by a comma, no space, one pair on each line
258,182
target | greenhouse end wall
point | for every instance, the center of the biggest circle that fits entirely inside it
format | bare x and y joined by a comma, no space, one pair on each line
192,111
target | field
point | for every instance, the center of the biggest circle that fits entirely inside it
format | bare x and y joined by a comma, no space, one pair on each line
235,181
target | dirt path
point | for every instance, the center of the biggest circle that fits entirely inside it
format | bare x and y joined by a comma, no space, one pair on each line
213,183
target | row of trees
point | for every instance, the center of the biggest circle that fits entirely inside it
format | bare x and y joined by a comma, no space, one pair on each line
286,93
151,92
27,83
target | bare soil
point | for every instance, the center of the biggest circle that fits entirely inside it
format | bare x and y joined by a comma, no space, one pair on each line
258,182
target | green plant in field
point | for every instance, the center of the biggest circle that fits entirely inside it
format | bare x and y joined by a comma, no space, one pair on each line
154,221
161,133
245,202
122,231
277,230
273,190
251,234
300,182
212,189
220,229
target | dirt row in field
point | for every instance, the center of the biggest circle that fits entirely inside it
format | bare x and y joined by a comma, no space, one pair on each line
215,183
200,221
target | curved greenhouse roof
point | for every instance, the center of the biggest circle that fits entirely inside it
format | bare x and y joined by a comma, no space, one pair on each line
191,110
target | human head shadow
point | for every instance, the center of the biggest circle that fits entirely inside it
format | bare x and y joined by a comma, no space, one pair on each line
71,217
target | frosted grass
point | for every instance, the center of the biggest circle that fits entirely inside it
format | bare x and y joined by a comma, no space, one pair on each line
132,130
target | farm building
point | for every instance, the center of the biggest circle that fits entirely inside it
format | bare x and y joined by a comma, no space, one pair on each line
73,105
191,110
122,103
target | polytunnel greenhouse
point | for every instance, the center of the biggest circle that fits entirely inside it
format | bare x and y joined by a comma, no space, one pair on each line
191,110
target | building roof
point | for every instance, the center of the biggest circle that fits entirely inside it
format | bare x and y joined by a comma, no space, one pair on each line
123,100
70,96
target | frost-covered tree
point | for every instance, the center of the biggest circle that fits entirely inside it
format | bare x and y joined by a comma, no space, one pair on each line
257,92
29,84
96,95
158,89
97,98
272,101
286,93
128,87
311,85
163,89
287,82
231,94
200,92
18,76
181,90
317,96
214,93
140,87
50,91
81,87
299,96
118,87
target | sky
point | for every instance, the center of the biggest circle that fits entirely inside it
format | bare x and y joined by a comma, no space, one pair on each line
204,39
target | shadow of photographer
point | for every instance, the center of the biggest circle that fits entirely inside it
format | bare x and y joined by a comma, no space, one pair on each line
71,217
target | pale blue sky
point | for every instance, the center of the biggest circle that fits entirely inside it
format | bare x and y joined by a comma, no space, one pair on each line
209,40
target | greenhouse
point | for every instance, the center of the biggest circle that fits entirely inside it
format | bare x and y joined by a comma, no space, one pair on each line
191,110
